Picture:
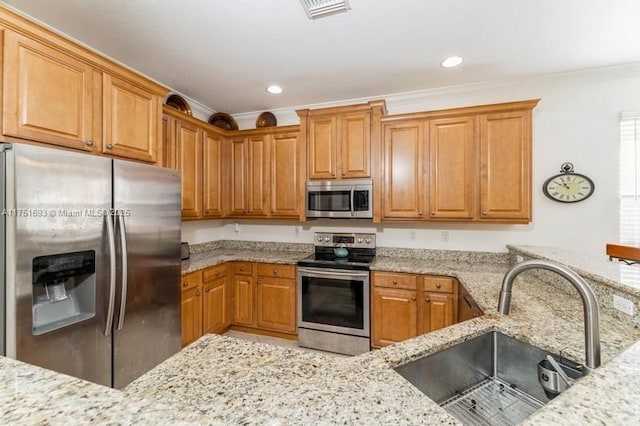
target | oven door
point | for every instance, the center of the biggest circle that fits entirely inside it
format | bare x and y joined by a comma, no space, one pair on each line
335,300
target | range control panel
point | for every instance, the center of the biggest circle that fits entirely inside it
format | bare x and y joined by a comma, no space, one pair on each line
329,239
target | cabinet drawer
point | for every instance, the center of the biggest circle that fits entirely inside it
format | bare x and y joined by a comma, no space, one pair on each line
273,270
438,284
191,280
243,268
407,281
214,272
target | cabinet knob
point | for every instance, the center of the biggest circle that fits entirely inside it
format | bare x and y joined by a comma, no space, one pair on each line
217,273
275,272
184,284
344,173
198,293
207,290
438,285
242,269
419,213
109,146
258,282
89,142
395,282
484,213
413,298
426,298
433,212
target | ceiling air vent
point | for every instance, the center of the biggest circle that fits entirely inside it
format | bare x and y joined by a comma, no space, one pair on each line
320,8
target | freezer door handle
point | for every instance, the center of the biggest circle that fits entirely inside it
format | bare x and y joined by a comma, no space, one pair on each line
123,250
112,275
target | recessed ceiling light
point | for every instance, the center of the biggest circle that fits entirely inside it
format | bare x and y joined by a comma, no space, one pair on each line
275,89
452,61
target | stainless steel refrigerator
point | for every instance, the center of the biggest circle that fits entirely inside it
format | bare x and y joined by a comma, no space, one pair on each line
91,263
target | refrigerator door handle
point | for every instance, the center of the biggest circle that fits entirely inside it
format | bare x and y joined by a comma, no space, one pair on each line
112,275
123,249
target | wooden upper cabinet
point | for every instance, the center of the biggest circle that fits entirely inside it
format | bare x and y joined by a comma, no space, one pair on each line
258,177
323,147
213,158
189,162
403,164
505,166
355,145
169,149
341,142
238,166
48,95
452,168
131,120
284,175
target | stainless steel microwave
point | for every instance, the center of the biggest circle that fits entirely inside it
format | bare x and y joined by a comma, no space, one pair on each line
340,199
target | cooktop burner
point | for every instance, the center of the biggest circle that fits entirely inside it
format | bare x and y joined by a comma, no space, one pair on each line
360,250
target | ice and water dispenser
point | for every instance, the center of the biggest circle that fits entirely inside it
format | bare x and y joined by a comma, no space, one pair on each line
64,290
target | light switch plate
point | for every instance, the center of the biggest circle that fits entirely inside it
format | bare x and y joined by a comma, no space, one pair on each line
623,305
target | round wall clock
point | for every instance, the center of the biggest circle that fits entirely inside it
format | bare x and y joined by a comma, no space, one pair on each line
567,186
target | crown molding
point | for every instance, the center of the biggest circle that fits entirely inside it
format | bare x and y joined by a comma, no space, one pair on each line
495,91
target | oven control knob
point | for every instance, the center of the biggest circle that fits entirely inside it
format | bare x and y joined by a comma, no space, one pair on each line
320,238
327,239
367,240
359,240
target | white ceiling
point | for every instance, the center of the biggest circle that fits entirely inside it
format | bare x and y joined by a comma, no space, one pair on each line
223,53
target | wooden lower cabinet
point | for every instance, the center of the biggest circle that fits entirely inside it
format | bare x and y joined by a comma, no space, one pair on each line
265,296
243,300
408,305
276,303
206,302
191,307
395,315
216,302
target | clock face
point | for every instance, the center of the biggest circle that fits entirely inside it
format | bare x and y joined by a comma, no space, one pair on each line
568,187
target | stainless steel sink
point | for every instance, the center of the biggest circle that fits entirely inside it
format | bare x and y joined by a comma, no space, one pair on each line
492,379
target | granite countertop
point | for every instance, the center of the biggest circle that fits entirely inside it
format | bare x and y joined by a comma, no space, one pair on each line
222,380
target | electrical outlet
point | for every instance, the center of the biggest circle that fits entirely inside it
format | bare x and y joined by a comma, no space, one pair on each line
623,305
445,236
236,228
412,235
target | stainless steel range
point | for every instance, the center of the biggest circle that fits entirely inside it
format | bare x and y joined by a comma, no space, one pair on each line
333,293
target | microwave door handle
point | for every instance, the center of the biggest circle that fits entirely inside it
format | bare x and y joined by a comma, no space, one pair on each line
353,206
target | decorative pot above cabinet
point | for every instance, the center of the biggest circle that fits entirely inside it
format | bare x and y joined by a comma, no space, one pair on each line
342,142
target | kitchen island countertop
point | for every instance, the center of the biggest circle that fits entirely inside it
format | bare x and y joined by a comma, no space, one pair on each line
222,380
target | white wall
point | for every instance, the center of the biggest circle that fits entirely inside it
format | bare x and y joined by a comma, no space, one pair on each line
576,120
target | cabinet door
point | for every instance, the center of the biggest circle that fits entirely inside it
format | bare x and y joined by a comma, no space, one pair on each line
322,147
131,120
214,306
213,172
276,300
48,96
258,178
403,193
437,311
243,300
189,145
395,316
355,145
238,164
505,166
191,315
284,175
169,148
452,164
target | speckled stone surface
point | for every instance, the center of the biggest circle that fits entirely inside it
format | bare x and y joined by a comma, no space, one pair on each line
34,396
220,380
238,382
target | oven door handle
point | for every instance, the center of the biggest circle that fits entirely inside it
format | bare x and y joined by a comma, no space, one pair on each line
332,273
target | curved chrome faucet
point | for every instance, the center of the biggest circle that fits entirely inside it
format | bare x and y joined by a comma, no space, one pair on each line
589,302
